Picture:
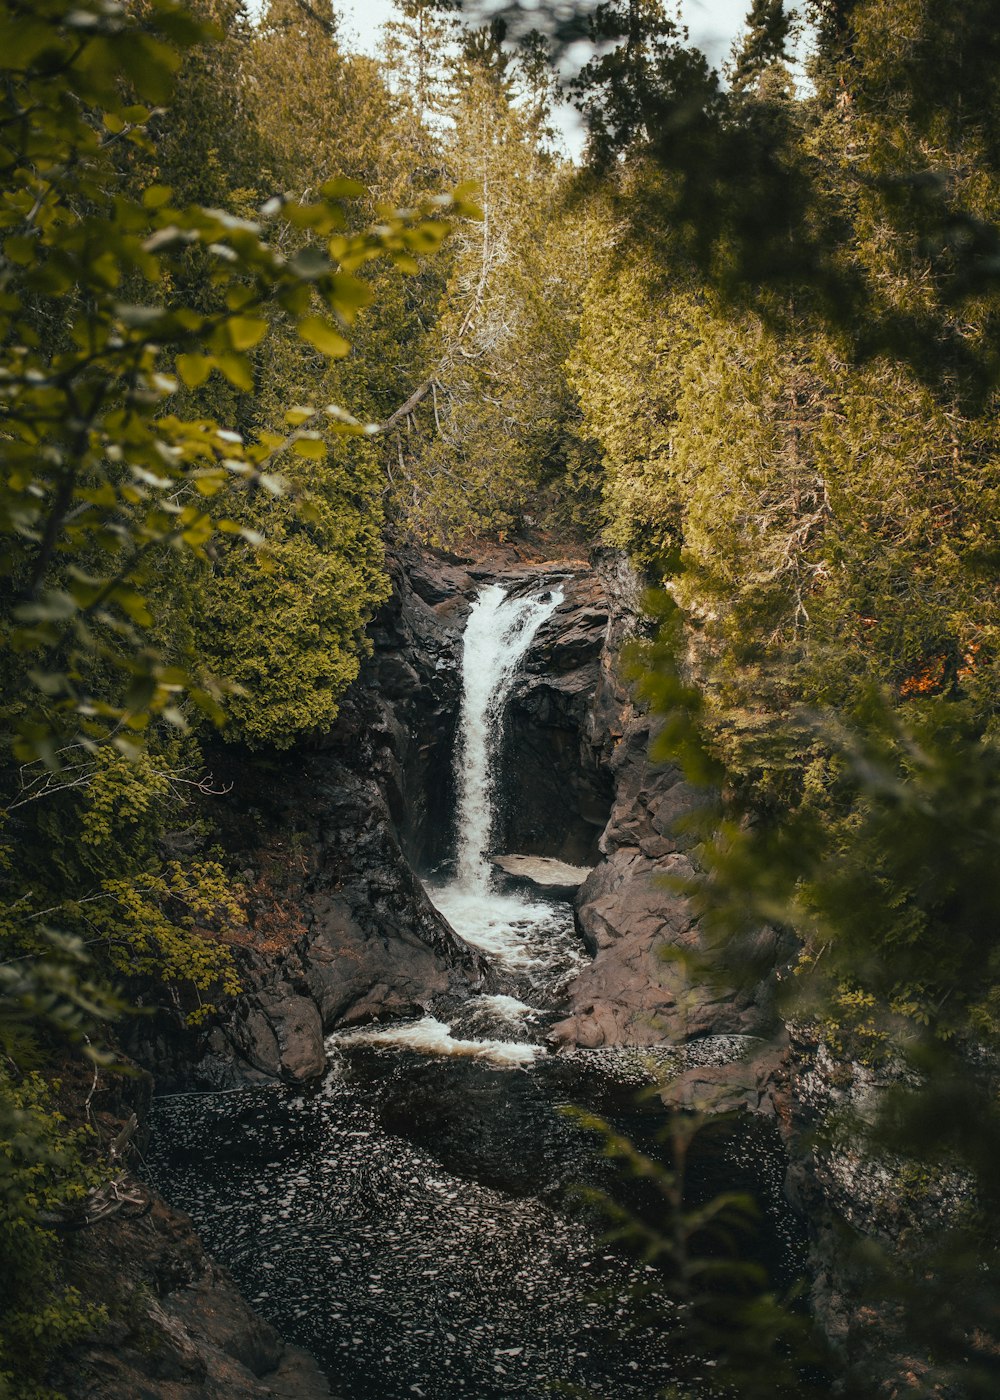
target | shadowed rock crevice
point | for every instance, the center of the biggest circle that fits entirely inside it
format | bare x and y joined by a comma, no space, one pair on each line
556,788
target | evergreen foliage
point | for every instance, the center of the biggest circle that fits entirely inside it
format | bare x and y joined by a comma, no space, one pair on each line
764,45
799,447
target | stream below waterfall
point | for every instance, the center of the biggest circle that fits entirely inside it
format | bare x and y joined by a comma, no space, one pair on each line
415,1221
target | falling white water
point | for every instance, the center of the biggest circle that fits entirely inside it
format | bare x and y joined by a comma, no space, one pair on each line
498,634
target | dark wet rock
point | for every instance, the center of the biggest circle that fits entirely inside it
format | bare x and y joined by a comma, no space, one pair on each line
554,777
283,1034
178,1328
631,915
341,930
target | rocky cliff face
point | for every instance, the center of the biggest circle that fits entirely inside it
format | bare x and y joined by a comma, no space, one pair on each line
630,911
555,778
325,839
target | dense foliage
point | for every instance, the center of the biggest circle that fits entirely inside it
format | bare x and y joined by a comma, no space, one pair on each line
158,503
799,444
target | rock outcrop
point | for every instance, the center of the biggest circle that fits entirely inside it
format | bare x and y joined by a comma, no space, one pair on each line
325,839
632,914
631,911
554,777
179,1328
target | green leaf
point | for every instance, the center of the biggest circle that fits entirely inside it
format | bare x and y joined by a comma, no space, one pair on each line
194,369
324,336
139,318
52,607
210,483
20,249
348,294
342,188
134,607
239,296
155,196
245,331
312,446
237,370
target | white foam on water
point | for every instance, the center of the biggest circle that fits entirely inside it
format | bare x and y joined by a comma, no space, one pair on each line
507,1007
429,1036
503,925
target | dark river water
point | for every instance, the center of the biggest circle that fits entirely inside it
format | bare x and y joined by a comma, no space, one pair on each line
415,1222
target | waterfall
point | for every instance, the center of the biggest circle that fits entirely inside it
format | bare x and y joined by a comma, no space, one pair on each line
498,634
513,929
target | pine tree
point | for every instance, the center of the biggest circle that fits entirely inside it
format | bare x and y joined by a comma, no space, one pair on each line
418,53
765,44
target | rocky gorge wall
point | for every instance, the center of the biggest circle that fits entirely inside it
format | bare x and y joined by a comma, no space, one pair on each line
325,839
328,840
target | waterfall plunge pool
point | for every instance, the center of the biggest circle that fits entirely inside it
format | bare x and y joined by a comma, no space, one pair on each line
415,1221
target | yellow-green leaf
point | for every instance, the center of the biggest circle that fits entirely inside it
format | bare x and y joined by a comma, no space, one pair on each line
237,370
324,336
245,331
19,248
348,294
312,447
342,188
155,196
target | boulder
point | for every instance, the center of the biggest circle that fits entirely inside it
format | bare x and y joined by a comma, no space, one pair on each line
177,1327
555,877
